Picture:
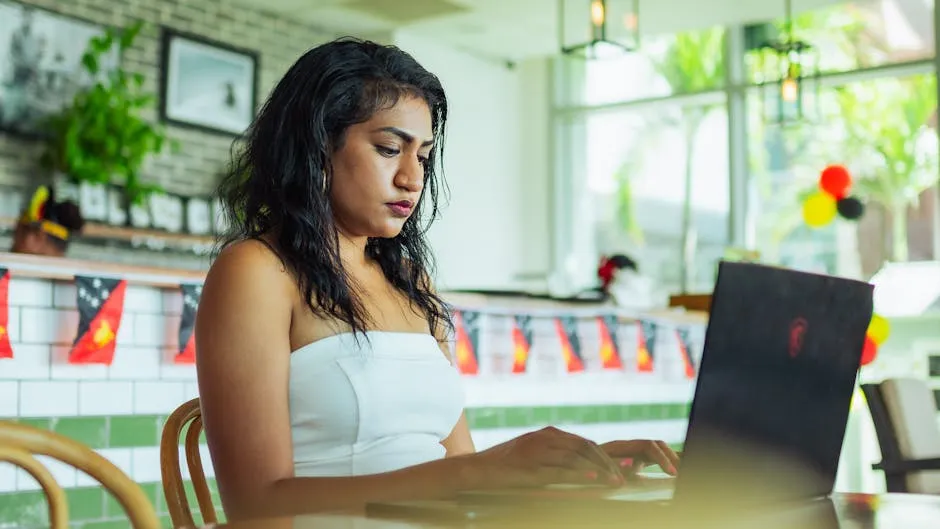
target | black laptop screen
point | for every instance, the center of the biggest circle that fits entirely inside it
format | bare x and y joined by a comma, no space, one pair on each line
776,380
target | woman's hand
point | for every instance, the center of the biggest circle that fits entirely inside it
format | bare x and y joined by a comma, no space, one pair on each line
632,456
544,457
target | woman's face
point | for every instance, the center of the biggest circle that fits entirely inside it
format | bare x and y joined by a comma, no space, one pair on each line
378,173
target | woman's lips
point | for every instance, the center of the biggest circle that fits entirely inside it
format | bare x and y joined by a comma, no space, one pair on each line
401,209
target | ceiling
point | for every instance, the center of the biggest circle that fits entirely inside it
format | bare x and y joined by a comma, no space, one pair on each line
511,29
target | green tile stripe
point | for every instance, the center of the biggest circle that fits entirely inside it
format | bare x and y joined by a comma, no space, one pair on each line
521,417
118,431
144,430
90,507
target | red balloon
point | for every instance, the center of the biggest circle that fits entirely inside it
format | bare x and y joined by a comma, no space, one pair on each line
869,352
836,181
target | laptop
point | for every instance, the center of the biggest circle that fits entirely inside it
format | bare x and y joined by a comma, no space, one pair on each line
776,379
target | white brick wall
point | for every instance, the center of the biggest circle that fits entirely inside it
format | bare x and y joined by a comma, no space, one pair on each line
39,381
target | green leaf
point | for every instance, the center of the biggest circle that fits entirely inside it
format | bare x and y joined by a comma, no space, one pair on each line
90,62
100,44
129,35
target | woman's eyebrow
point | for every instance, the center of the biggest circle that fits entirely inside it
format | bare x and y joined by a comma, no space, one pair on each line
405,135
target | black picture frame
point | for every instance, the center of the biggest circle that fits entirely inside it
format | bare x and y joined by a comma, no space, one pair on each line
207,85
46,83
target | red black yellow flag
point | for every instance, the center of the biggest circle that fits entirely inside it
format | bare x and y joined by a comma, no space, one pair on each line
610,352
467,329
187,334
521,342
6,350
682,334
645,345
567,327
100,307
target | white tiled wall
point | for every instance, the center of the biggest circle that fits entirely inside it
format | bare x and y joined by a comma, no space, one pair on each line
39,382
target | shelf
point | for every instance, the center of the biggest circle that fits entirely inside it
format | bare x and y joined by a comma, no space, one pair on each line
95,230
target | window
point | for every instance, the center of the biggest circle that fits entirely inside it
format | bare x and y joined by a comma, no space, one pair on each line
625,126
884,132
631,182
665,65
855,35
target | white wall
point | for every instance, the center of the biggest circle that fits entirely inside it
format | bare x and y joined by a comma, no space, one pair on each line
495,231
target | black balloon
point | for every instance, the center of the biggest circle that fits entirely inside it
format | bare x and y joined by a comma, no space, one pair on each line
850,208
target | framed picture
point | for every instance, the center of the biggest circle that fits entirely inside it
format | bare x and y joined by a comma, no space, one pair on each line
207,85
41,64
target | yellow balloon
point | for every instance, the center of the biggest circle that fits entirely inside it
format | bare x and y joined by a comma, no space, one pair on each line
879,329
819,209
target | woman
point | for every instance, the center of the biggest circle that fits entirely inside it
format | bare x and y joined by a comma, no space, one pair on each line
324,372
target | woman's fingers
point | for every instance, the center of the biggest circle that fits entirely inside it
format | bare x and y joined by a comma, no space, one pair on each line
671,454
588,450
571,459
557,475
656,452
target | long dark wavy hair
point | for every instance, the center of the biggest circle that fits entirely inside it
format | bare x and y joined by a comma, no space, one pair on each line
278,185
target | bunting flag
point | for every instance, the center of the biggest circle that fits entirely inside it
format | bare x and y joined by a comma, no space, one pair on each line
6,350
521,342
682,333
467,329
645,345
610,353
100,307
567,327
187,334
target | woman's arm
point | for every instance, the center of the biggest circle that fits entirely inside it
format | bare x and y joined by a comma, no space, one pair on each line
242,334
459,442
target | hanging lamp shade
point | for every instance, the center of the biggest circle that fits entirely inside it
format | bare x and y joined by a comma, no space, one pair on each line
788,75
596,28
787,71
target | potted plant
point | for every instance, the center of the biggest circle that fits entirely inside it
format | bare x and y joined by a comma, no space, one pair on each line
101,138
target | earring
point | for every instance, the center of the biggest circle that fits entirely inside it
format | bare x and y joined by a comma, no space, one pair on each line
324,181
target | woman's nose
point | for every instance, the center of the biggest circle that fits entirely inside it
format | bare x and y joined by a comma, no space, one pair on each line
411,177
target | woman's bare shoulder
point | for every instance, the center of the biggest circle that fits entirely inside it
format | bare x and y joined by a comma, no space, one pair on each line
249,258
247,293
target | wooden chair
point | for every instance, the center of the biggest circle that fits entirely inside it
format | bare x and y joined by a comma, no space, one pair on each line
904,413
177,504
20,443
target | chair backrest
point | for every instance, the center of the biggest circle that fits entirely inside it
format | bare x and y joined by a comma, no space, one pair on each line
19,444
188,414
913,414
887,439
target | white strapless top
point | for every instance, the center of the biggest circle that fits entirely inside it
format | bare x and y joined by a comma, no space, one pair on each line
376,406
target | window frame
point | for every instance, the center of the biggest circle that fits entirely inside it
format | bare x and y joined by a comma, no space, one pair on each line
568,240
